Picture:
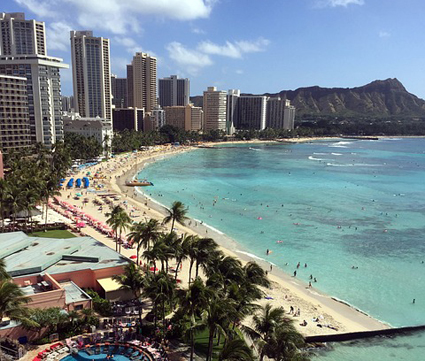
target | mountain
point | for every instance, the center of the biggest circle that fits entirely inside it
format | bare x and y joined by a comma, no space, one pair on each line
380,98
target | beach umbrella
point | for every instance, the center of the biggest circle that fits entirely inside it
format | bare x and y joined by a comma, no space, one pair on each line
153,269
78,194
81,224
133,256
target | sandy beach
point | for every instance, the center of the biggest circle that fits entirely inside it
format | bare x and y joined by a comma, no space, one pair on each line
286,291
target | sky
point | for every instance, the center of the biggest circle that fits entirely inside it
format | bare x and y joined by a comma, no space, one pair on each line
256,46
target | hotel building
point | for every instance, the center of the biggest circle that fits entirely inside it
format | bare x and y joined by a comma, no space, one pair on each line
173,91
23,54
188,118
214,106
119,92
91,75
141,78
280,114
14,116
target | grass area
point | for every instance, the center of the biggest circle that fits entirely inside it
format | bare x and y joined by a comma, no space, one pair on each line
201,344
56,233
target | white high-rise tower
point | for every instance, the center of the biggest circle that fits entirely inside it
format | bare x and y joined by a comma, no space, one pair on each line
91,75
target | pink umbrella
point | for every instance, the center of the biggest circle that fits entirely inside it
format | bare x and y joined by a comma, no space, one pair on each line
153,269
81,224
133,256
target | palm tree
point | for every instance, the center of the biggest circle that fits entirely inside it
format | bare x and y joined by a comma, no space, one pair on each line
216,317
132,280
143,233
4,206
193,301
160,288
181,251
12,298
119,220
177,213
207,250
273,333
236,350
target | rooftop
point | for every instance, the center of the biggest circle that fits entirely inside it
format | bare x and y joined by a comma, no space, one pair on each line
26,255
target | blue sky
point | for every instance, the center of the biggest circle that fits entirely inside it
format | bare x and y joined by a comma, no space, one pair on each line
254,45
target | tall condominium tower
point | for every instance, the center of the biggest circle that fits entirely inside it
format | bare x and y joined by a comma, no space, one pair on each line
141,78
232,102
21,37
280,114
214,106
91,74
173,91
23,53
119,91
14,124
251,112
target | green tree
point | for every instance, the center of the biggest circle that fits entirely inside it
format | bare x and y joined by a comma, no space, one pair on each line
119,220
177,213
236,350
132,280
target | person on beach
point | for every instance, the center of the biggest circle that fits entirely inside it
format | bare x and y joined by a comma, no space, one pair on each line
295,273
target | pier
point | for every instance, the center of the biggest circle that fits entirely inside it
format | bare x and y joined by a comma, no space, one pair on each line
364,334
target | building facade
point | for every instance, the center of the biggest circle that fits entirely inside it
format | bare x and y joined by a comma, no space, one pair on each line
251,112
20,36
98,128
280,114
214,106
142,76
232,102
91,75
119,92
44,94
14,115
173,91
24,54
128,118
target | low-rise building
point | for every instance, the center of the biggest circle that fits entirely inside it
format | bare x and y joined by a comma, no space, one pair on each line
60,272
99,128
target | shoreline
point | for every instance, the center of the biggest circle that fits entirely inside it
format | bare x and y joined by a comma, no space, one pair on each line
286,290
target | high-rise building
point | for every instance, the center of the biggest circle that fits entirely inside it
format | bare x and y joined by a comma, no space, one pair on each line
251,112
187,117
173,91
21,37
14,115
119,92
232,102
158,116
142,76
91,74
280,114
214,106
23,53
128,118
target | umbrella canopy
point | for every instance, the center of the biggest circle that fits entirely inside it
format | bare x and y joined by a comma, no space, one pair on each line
78,194
133,256
153,269
81,224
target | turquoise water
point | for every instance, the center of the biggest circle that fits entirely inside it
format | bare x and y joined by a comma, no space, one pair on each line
333,204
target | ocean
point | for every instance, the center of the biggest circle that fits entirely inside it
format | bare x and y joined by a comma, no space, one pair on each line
352,210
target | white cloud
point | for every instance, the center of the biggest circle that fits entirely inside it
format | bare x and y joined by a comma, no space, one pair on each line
118,16
129,43
384,34
58,36
191,60
41,8
335,3
198,31
234,50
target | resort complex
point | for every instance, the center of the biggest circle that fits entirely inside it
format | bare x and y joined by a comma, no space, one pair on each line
209,215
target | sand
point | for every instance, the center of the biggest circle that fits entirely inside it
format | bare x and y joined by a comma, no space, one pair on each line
286,291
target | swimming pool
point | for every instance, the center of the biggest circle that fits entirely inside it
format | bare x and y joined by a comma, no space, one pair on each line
111,353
